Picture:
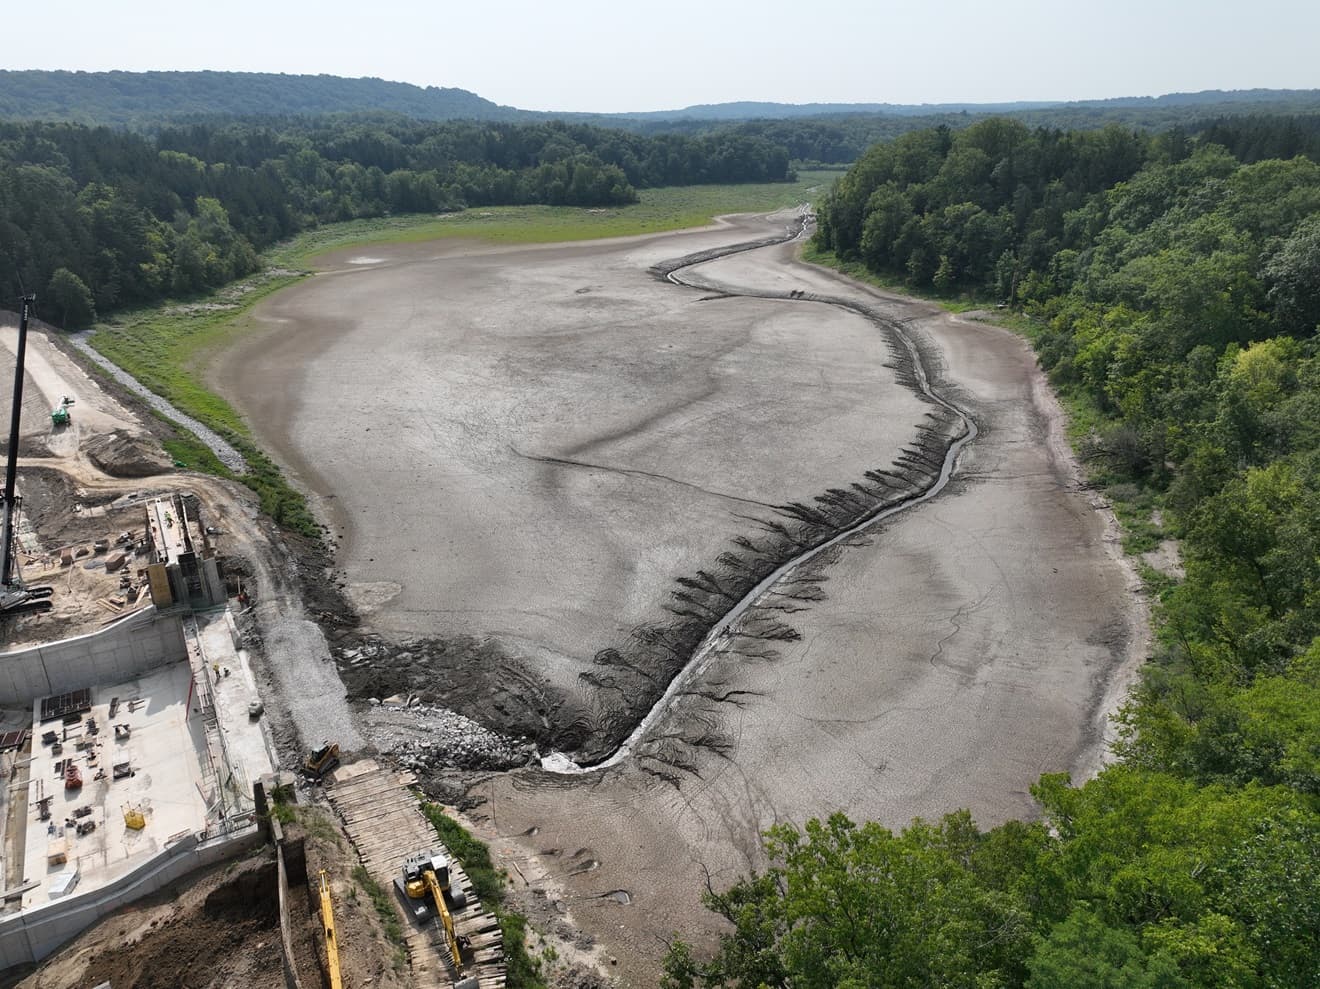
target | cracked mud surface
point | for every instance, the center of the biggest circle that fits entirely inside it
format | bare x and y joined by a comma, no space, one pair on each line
566,496
526,453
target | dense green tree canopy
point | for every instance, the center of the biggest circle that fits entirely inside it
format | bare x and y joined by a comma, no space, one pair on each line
132,218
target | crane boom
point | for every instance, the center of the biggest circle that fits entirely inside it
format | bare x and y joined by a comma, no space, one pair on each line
15,598
331,940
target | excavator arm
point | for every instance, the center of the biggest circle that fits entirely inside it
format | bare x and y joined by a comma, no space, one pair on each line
425,881
442,908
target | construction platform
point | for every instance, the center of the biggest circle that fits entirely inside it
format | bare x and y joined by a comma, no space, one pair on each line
228,692
119,772
130,748
386,824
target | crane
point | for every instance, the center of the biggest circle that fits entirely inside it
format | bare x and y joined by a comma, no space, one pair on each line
15,597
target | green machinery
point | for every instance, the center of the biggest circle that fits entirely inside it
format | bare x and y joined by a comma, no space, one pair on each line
59,416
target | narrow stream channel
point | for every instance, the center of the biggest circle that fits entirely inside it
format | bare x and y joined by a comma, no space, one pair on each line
558,762
226,454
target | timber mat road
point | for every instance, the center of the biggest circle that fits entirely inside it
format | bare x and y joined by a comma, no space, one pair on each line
556,437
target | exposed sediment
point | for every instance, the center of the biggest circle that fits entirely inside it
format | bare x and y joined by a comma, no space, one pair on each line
942,661
629,679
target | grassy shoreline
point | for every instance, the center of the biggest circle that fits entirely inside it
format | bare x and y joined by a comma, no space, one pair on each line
523,969
167,347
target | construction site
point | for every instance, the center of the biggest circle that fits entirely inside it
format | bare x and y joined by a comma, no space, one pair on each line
142,770
561,595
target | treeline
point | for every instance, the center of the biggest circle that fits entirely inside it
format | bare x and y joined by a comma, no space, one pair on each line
151,99
94,219
843,138
995,207
1174,292
392,143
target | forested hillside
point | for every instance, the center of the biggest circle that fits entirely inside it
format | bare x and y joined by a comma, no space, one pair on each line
148,99
1173,291
94,219
844,138
138,98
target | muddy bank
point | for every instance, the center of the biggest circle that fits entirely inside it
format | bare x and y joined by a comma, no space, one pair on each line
944,659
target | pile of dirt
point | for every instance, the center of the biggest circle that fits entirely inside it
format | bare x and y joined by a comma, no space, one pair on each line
219,930
122,454
48,499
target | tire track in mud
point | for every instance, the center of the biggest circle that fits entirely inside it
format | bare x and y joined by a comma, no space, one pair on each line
911,372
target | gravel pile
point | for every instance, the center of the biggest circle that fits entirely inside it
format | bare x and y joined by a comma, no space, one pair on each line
428,738
299,660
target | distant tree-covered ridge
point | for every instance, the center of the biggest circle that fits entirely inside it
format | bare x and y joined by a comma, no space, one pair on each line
100,219
142,99
1173,289
842,139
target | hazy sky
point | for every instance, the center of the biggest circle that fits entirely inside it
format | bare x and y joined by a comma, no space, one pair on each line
609,56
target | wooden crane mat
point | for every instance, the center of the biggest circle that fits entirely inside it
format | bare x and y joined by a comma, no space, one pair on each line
386,825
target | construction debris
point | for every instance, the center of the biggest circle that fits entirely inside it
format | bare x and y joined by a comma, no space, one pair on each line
424,738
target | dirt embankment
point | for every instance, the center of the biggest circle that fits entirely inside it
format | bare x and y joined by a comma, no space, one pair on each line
221,928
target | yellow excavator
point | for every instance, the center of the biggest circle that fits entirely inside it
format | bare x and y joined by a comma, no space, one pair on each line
425,887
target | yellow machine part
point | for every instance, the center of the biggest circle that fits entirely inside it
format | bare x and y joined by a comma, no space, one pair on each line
134,819
331,941
159,582
451,937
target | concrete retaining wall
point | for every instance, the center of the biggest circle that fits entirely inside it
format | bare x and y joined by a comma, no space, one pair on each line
291,978
143,641
30,936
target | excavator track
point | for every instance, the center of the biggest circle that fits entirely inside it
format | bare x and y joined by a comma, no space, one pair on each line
386,825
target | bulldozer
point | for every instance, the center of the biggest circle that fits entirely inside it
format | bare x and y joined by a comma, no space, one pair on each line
426,890
321,761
